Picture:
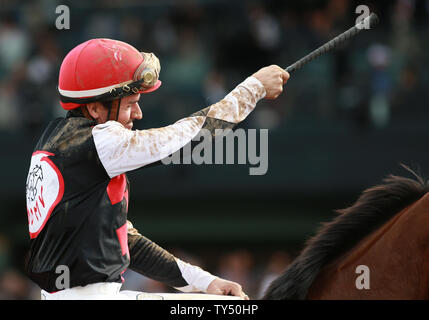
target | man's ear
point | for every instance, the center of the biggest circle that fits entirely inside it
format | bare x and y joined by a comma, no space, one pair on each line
95,109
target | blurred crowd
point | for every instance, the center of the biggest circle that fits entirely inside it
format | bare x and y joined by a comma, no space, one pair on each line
205,49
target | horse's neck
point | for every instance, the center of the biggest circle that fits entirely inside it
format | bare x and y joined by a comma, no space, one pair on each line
394,255
365,245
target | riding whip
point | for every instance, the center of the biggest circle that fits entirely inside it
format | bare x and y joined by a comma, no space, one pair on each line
365,24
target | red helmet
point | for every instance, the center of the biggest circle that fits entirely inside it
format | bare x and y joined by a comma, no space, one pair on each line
105,70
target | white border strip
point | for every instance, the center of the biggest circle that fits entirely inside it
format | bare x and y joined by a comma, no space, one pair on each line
90,93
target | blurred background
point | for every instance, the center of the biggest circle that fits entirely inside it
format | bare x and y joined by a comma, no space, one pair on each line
344,122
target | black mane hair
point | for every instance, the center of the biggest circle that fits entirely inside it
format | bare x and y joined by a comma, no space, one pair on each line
374,207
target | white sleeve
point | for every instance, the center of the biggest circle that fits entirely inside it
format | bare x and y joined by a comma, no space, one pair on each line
121,150
198,279
237,105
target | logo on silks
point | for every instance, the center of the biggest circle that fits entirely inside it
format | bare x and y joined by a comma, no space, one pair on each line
44,190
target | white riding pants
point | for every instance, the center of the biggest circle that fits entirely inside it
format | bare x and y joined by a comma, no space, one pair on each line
111,291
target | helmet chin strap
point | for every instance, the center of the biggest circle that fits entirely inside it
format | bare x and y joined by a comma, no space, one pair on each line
114,110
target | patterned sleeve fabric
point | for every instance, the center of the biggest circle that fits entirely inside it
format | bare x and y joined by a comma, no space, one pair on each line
121,150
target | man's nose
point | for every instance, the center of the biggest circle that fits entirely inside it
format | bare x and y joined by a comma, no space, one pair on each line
137,112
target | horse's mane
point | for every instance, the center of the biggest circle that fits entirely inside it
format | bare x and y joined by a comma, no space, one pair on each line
374,207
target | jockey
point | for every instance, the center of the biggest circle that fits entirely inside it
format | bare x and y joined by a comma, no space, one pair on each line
77,190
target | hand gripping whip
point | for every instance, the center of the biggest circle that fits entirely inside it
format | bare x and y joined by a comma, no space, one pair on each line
365,24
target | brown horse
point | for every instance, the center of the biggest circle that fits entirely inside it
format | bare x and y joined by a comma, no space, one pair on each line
376,249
